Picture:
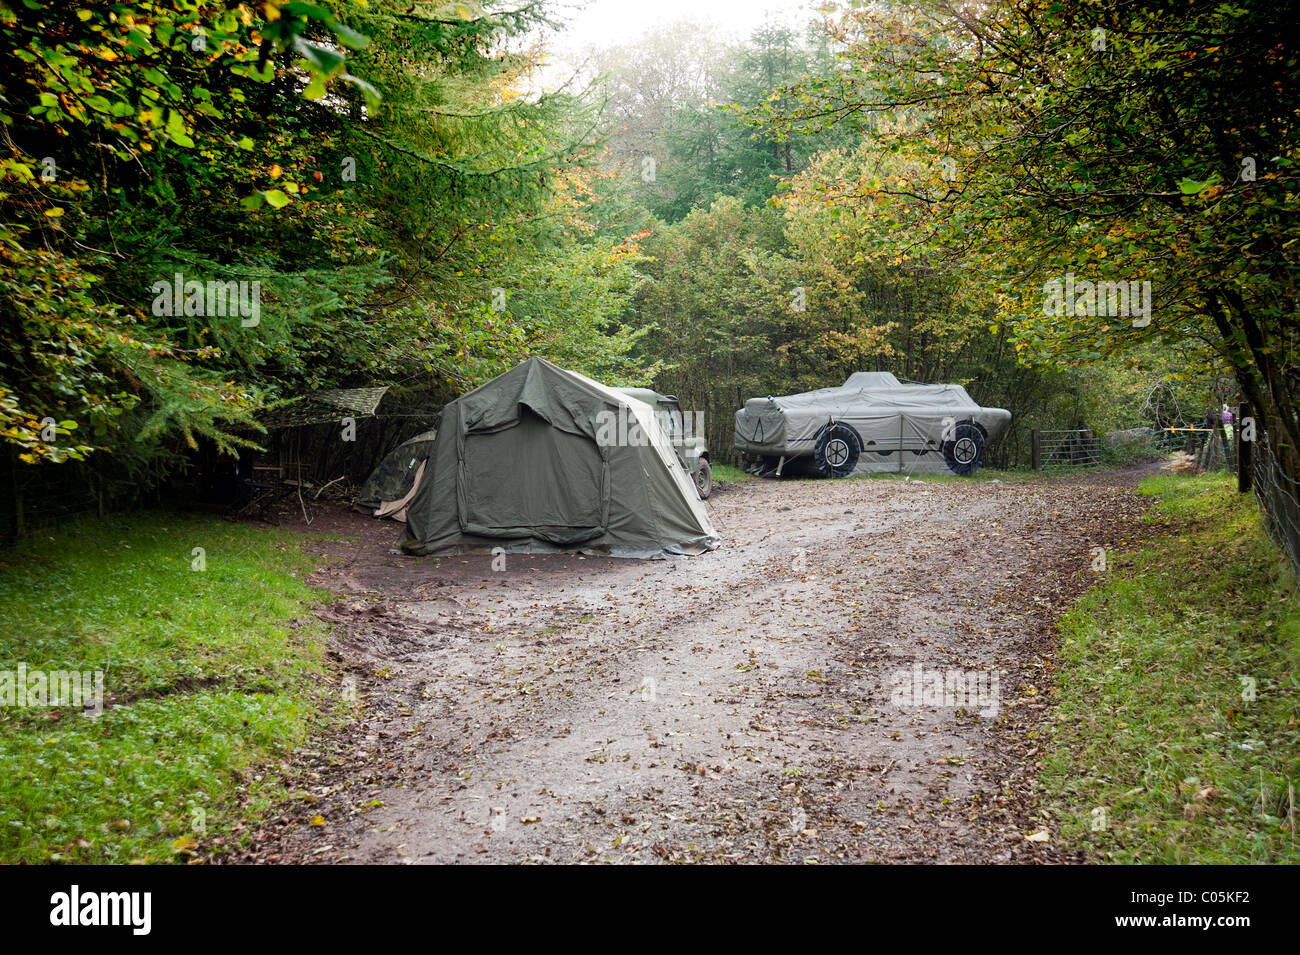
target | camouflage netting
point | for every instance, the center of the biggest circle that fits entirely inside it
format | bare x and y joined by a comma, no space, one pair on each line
326,407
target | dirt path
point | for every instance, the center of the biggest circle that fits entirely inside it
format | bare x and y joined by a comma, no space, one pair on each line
732,707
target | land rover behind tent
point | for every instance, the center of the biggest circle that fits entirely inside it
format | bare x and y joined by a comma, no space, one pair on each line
540,460
388,490
872,423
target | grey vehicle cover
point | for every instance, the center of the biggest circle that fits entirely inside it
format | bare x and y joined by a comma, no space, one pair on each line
887,415
543,460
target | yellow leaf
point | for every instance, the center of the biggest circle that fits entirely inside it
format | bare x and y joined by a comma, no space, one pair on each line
54,213
318,820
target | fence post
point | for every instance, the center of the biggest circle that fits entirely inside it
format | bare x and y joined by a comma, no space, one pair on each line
1244,449
1033,448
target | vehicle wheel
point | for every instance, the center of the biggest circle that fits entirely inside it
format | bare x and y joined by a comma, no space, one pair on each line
704,478
965,452
837,451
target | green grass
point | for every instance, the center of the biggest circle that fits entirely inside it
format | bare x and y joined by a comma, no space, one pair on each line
1153,726
208,676
725,473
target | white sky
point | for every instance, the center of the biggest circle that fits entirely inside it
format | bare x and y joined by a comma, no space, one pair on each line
611,22
603,23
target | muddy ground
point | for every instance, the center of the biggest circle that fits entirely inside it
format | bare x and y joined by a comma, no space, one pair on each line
733,707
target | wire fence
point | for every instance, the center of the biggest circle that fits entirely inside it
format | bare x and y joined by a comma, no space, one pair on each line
1278,496
1211,447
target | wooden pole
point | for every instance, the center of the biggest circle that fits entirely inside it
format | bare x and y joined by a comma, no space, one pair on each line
900,444
1033,448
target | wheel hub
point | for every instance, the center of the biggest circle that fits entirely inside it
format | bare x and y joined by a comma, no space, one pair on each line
965,450
837,452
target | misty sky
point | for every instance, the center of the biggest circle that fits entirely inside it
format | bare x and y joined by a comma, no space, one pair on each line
611,22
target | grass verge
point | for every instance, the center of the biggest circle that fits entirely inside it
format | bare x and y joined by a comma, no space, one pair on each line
209,675
726,474
1176,728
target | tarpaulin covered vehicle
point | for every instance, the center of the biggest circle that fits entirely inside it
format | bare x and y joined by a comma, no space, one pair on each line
873,423
691,448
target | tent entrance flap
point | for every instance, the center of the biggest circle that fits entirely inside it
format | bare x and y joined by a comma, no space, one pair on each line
533,480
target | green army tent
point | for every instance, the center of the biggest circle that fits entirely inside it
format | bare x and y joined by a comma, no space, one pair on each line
541,460
394,478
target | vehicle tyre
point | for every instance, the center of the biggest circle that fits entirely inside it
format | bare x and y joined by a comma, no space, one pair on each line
704,478
965,452
837,450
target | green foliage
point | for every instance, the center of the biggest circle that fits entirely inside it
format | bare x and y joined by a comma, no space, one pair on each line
708,311
1114,141
413,210
774,273
1154,724
147,98
378,172
678,98
746,302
